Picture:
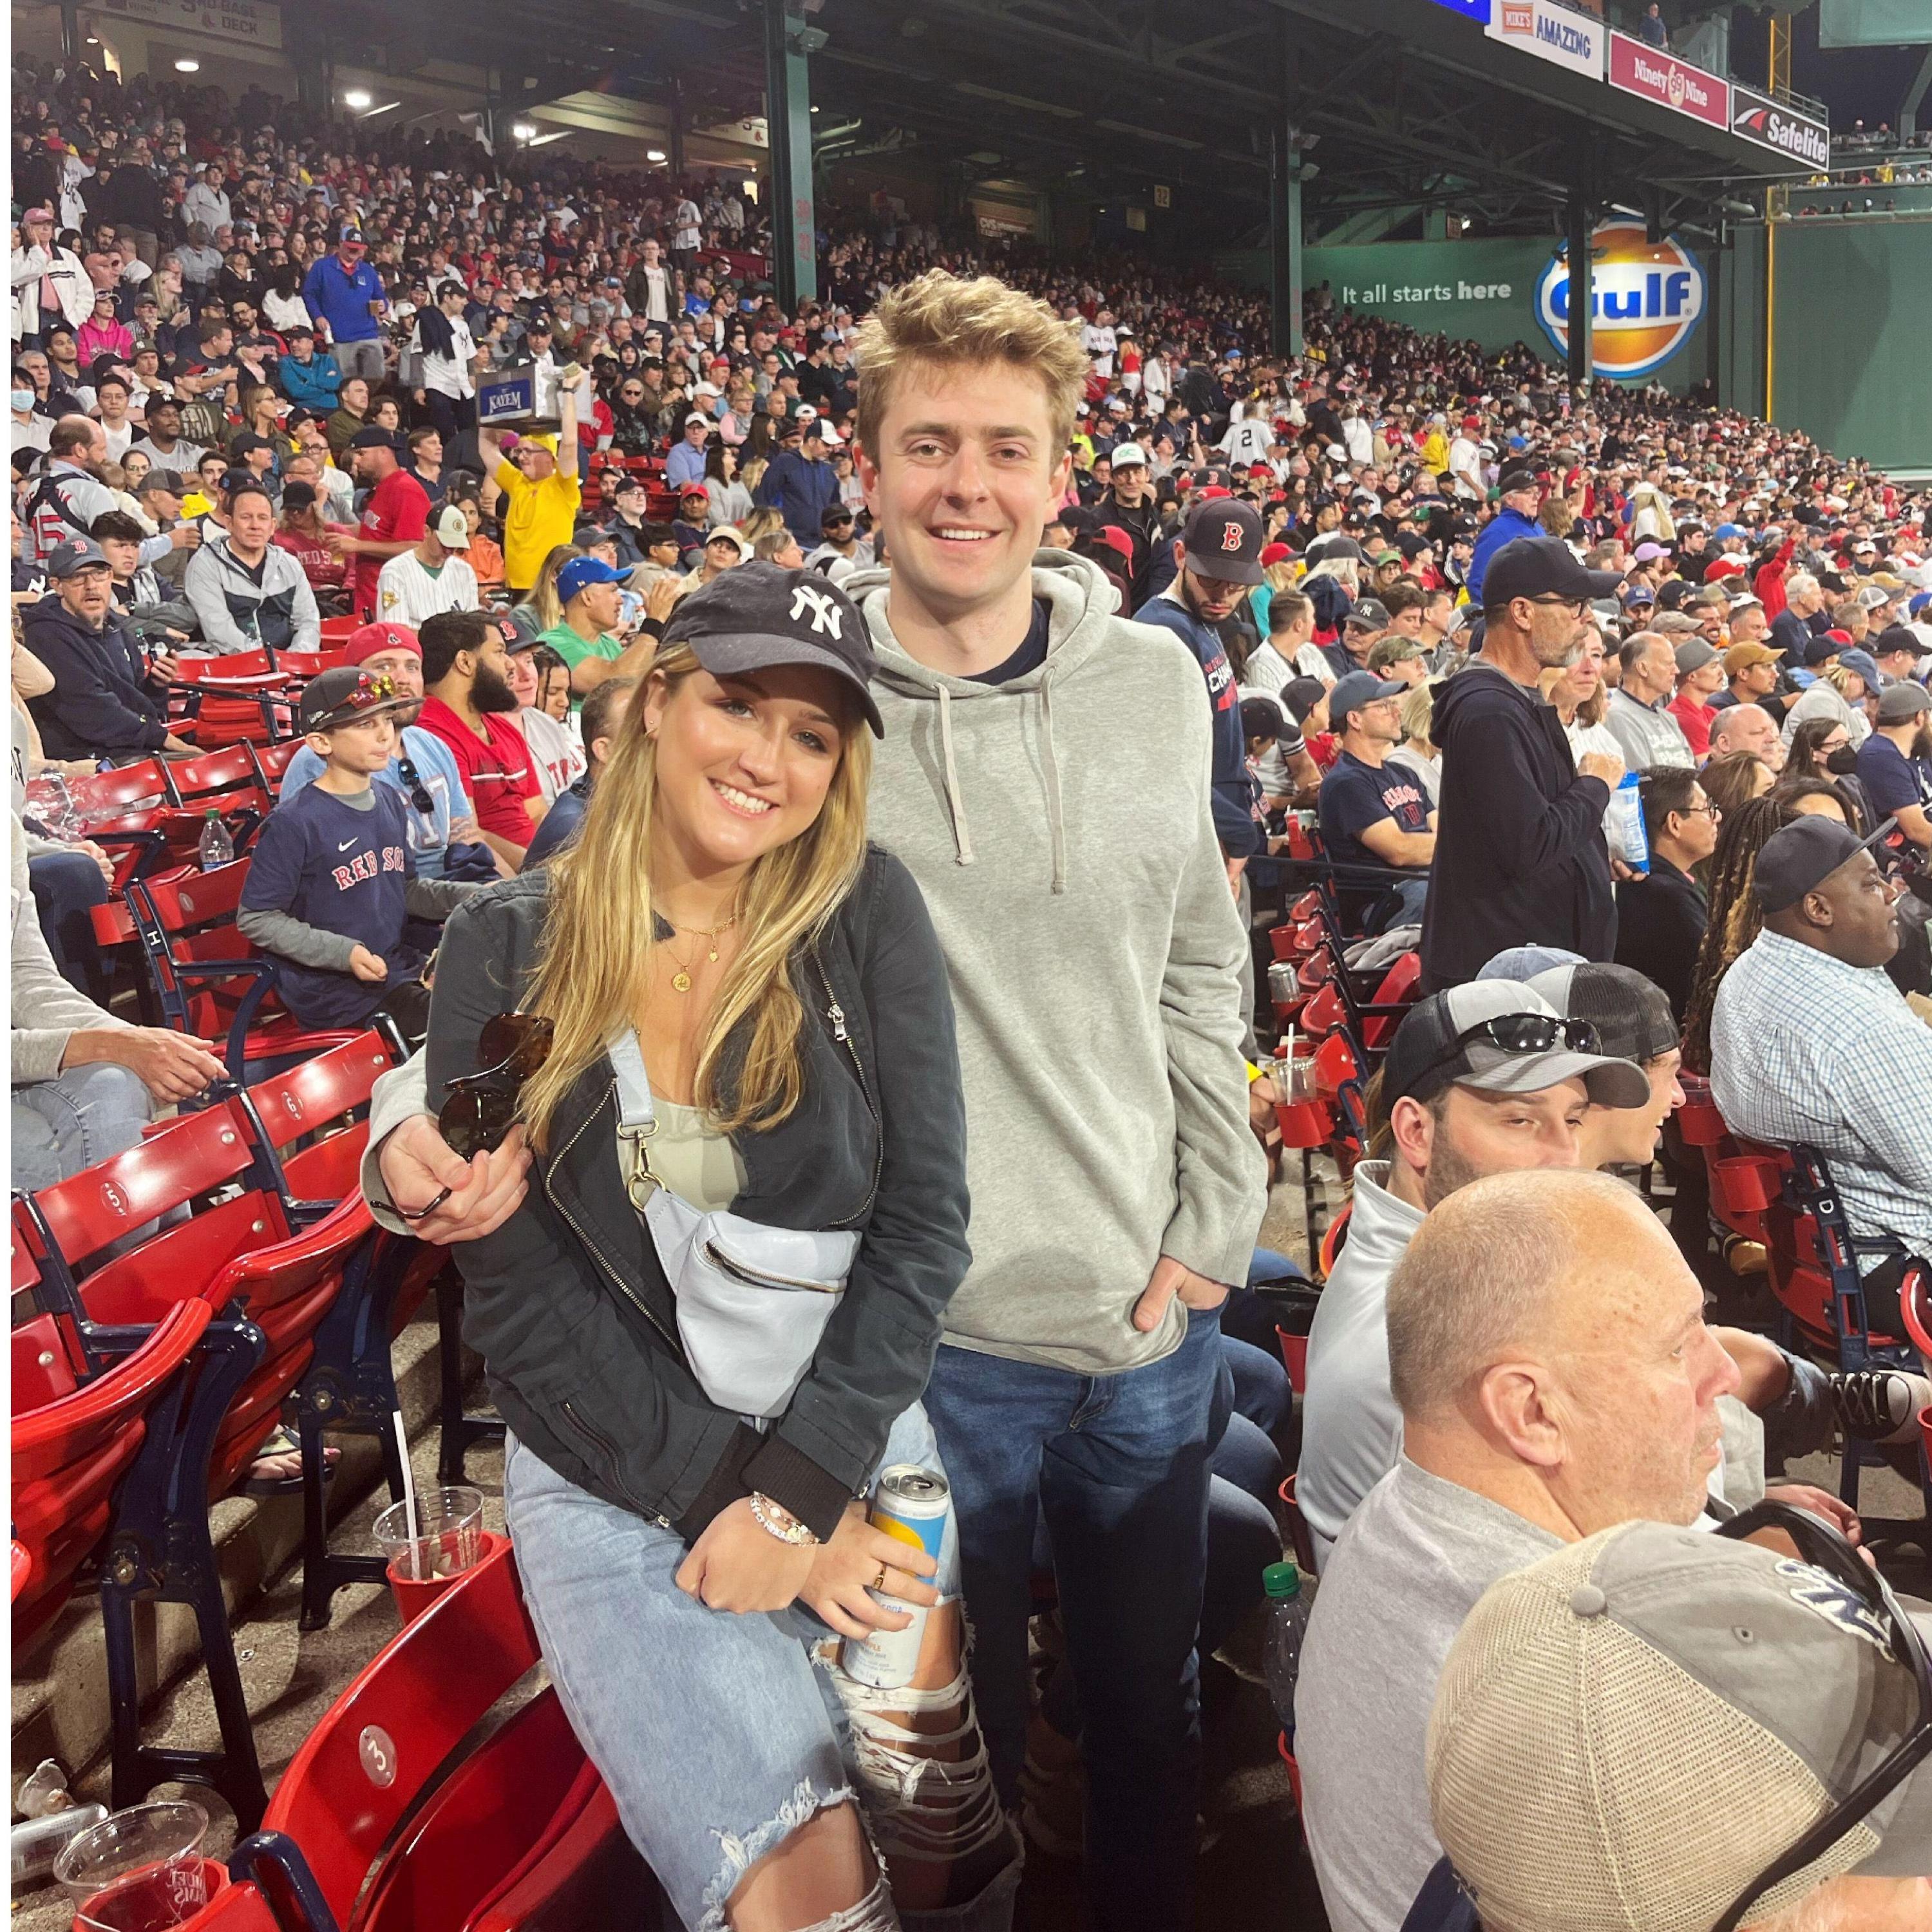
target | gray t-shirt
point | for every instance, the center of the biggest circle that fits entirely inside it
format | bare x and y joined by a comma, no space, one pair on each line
1406,1570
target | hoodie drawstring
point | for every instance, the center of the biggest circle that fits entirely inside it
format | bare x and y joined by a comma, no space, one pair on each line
962,838
1056,823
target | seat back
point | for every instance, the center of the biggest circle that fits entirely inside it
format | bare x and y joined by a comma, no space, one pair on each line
70,1449
313,1118
272,762
1398,988
365,1764
479,1824
583,1871
231,769
105,795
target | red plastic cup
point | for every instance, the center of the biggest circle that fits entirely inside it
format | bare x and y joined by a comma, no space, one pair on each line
138,1870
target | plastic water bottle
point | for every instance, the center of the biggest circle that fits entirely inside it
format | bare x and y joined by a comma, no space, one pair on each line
217,849
59,815
1290,1595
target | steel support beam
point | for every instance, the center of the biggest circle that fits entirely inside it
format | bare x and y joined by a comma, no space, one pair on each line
70,43
788,122
1285,209
1579,219
674,147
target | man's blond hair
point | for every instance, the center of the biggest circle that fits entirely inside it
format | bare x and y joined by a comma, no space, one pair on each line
950,322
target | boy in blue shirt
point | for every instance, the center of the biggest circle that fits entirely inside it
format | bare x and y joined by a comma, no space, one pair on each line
331,885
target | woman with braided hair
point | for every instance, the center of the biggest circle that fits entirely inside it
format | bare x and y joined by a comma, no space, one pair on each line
1734,921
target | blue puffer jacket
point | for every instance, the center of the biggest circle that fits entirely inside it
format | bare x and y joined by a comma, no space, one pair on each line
310,385
1506,527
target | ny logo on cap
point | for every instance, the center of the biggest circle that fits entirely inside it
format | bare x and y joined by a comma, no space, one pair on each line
1230,537
826,615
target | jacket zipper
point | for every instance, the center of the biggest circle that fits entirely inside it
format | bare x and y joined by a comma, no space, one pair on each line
754,1278
835,1013
607,1448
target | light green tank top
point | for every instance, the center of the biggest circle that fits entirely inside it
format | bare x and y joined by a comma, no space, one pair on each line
694,1160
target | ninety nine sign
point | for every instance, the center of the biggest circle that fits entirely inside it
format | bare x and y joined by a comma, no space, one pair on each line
1552,32
1639,69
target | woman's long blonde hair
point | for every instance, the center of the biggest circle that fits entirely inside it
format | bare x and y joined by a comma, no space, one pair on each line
546,607
595,961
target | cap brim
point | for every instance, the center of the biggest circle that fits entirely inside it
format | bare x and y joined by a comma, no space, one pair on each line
1905,1818
1225,573
734,656
1609,1083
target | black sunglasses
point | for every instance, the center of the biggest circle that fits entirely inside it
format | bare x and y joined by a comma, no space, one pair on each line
479,1109
419,795
1822,1546
1520,1033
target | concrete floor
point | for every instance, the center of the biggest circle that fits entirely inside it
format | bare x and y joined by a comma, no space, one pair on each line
1254,1871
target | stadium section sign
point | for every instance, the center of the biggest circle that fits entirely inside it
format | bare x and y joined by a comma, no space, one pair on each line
1646,297
1552,32
1641,70
1770,124
259,21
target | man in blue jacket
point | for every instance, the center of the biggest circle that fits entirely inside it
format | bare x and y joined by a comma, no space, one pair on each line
800,484
343,290
1516,517
306,379
1218,561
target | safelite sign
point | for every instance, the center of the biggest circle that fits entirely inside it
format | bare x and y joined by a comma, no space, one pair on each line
1647,298
1640,69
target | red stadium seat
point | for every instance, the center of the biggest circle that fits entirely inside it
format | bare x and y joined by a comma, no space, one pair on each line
313,1117
583,1871
209,980
366,1764
73,1441
1392,999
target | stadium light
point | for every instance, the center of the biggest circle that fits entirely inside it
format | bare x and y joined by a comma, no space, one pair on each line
188,64
654,154
523,130
357,97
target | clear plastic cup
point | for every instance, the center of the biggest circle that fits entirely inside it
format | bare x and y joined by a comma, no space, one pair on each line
441,1537
138,1870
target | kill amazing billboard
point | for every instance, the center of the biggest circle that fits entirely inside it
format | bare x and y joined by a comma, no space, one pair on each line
1647,299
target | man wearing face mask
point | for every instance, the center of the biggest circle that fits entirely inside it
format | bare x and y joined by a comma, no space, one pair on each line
1520,856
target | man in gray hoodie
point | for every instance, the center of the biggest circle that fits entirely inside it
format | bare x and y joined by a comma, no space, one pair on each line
1045,773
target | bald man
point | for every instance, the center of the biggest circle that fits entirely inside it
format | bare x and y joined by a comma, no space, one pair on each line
1548,1351
1747,728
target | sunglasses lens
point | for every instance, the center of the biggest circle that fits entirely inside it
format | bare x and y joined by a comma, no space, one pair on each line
475,1119
517,1042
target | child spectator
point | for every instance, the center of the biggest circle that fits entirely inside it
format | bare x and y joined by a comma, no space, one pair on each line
333,885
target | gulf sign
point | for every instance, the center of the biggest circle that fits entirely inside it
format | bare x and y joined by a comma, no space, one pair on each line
1646,299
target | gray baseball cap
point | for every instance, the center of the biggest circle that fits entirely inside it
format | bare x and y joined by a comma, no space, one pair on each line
1628,1732
1430,1050
76,554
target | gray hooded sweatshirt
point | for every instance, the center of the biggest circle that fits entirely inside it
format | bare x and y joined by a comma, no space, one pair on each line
1059,827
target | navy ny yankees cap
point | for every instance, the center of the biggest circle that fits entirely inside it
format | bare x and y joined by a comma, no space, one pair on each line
761,614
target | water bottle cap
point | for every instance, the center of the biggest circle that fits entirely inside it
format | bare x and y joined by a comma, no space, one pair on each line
1281,1580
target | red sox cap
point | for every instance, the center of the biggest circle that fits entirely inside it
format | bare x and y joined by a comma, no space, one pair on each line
1222,537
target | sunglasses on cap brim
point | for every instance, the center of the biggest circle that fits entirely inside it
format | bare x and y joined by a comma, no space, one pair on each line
373,695
1522,1036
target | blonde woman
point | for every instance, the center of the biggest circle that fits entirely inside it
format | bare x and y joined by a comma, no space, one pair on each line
732,1018
1580,697
545,607
1418,751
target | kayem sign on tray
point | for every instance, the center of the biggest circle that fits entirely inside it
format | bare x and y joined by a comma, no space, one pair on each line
1641,69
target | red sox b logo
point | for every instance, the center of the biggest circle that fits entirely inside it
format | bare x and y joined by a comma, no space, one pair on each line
1230,537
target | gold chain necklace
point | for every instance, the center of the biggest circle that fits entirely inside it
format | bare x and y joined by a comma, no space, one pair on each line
680,980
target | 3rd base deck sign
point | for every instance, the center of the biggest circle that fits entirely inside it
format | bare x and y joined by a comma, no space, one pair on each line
1646,297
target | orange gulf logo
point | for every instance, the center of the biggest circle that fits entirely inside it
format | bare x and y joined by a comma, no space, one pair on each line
1647,298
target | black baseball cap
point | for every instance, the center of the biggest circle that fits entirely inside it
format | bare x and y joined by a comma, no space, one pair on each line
1449,1040
1222,537
762,614
1542,567
375,436
342,695
1367,613
1631,1013
518,628
1805,853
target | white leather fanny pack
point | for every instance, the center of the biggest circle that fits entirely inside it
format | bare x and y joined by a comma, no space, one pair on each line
753,1300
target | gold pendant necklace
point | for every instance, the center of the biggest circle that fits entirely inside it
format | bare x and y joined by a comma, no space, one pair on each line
680,980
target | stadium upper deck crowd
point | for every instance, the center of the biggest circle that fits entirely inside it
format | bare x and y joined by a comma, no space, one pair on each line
1434,600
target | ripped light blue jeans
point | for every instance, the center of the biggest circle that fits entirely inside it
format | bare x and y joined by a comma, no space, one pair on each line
716,1733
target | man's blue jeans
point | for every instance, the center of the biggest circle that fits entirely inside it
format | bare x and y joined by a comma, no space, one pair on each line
1118,1465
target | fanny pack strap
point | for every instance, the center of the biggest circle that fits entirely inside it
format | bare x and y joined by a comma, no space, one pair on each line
636,1118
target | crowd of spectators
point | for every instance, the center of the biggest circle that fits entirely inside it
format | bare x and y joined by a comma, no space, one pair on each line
1612,704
